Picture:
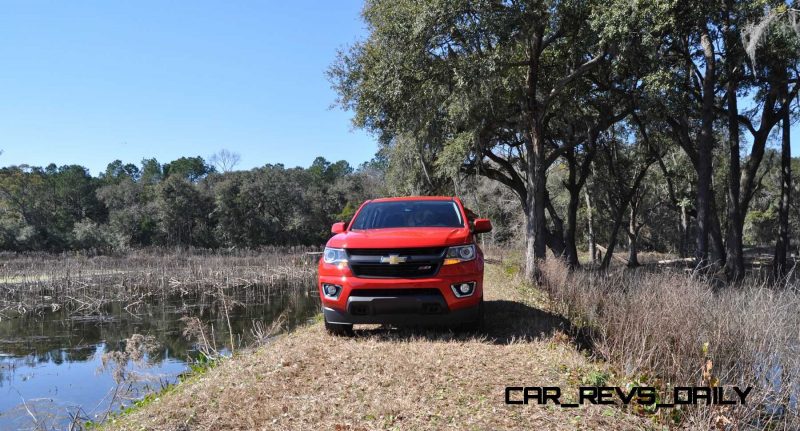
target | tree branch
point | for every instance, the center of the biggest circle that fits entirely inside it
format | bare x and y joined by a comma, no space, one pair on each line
585,67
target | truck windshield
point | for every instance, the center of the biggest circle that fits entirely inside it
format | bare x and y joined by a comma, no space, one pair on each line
381,215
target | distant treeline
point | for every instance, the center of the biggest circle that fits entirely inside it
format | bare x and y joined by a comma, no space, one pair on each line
190,203
186,202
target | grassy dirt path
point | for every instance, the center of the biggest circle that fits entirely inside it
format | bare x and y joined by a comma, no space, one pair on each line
390,379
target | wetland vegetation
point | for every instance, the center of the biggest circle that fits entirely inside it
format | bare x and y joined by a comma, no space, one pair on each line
82,336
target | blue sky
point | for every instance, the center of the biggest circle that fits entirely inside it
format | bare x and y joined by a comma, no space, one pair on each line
88,82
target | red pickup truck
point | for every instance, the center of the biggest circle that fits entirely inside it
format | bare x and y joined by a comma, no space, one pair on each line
404,261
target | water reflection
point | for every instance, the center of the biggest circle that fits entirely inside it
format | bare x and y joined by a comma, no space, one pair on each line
51,363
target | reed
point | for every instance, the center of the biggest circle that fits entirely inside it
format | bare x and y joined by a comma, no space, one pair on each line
82,284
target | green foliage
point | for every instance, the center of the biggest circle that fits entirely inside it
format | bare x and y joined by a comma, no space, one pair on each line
759,225
132,212
116,171
596,378
464,88
183,203
183,212
90,235
348,212
189,168
38,207
201,365
151,172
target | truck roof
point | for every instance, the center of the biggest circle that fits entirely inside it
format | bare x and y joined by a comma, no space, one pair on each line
415,198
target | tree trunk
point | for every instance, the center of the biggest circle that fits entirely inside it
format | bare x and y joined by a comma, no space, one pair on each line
782,244
633,257
684,231
612,240
536,181
530,233
539,191
571,249
704,146
735,261
590,229
626,199
703,210
717,245
574,189
555,238
536,228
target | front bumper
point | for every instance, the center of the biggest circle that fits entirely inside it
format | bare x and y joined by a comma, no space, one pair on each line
403,301
405,318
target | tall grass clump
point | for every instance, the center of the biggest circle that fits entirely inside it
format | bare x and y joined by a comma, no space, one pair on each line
665,328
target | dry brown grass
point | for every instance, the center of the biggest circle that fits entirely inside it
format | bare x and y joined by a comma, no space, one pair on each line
659,327
80,284
389,379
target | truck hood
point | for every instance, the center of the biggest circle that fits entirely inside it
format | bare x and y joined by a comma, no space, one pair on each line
401,238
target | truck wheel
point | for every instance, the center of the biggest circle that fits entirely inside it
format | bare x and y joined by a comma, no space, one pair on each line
339,329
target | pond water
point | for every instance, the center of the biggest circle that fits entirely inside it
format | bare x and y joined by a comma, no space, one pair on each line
54,366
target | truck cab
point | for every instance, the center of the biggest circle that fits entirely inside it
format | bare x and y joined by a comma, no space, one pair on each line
410,261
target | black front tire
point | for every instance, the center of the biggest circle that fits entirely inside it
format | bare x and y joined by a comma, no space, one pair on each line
339,329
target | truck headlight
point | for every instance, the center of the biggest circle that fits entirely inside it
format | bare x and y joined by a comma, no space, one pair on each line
334,255
458,254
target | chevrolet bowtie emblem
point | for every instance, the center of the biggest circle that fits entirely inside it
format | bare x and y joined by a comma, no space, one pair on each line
393,259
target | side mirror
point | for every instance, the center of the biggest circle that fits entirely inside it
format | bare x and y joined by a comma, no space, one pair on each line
482,225
338,227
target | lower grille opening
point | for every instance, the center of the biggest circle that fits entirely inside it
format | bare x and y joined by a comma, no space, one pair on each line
359,309
431,308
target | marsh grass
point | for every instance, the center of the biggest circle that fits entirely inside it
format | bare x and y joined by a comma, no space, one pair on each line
220,302
82,284
668,328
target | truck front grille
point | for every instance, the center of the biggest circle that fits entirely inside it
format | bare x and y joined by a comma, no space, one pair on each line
394,271
396,263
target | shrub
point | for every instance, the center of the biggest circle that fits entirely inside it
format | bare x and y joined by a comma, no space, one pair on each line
89,235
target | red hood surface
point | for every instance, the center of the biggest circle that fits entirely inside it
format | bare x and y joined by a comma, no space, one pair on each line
401,238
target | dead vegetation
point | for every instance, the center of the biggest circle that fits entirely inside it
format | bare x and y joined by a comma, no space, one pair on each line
186,303
395,379
39,282
665,327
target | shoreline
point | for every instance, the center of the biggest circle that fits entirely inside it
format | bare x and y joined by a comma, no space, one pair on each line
393,379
